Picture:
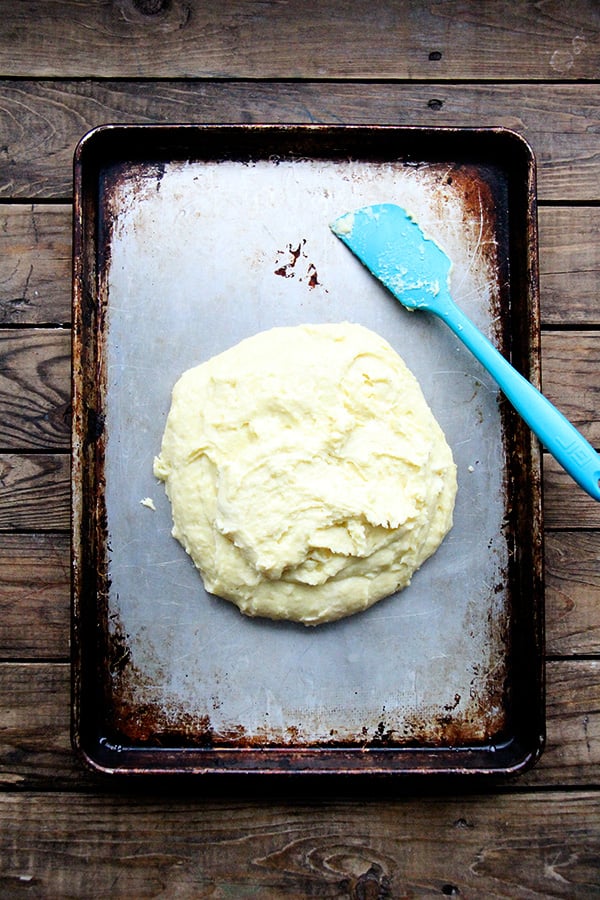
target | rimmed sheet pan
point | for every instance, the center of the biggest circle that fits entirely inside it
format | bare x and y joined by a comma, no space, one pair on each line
188,239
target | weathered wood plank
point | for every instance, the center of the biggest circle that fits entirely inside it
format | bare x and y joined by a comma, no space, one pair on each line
570,366
333,39
572,754
569,265
35,747
35,400
35,384
35,264
59,845
34,710
40,123
34,596
572,573
566,505
90,846
34,492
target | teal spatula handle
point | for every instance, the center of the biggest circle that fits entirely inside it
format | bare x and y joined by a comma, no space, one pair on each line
557,434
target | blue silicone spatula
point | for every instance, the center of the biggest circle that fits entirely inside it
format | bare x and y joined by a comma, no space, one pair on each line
416,270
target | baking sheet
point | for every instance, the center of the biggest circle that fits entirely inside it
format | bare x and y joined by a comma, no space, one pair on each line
198,255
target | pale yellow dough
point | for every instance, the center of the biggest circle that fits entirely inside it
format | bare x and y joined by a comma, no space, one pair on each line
307,475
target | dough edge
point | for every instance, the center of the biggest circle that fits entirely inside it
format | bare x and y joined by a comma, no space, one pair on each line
279,598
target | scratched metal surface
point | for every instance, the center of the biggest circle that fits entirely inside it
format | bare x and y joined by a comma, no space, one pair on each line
202,255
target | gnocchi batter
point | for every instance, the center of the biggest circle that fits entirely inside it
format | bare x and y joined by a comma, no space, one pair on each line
307,475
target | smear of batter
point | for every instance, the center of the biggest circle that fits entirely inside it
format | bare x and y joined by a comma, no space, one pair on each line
307,475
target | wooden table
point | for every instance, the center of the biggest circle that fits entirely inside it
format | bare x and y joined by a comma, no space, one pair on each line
68,66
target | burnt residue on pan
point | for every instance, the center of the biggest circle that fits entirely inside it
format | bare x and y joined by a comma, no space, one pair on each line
287,265
135,719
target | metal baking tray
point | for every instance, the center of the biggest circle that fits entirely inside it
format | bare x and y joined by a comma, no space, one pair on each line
188,239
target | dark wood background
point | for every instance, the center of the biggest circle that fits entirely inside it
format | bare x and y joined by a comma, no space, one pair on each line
68,65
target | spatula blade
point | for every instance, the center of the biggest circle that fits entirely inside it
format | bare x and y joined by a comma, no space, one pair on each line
389,242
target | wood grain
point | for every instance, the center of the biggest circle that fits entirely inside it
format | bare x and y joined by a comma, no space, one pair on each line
569,265
94,846
398,848
41,122
566,505
35,712
34,709
570,366
35,370
269,39
210,849
573,724
35,264
34,596
34,492
572,572
35,384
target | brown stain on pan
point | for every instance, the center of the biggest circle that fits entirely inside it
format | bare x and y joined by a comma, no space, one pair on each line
135,721
287,265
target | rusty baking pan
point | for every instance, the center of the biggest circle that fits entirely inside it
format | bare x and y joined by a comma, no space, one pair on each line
188,239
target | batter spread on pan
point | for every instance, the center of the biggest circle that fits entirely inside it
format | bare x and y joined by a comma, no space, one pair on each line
307,475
